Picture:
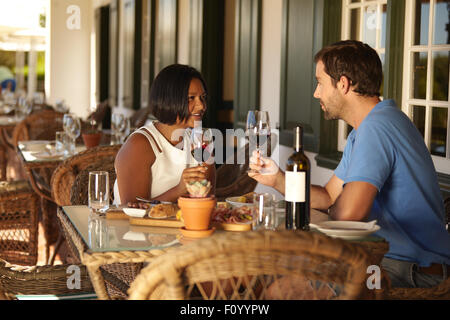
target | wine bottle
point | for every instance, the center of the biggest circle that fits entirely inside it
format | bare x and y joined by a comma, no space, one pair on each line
297,186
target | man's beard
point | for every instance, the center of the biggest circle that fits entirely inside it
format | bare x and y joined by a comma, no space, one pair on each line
329,115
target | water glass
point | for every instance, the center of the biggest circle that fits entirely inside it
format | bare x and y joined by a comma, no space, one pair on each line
264,211
98,191
98,232
62,143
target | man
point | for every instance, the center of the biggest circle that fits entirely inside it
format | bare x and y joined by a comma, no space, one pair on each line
386,172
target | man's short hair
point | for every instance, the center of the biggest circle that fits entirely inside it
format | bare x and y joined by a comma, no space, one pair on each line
355,60
169,93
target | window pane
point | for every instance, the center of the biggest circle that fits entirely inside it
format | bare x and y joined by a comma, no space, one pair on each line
383,26
420,75
440,75
439,120
421,24
370,26
441,22
418,118
354,24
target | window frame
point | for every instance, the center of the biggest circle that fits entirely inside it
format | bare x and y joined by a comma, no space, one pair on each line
442,164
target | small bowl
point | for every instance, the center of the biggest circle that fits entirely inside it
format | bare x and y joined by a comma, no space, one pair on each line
135,212
236,204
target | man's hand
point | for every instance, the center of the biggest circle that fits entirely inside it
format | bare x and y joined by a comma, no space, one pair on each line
265,171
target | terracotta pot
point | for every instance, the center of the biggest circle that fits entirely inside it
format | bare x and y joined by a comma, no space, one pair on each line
92,139
197,212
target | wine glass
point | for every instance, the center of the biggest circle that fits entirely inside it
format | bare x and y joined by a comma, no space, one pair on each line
201,144
258,131
72,127
120,126
23,108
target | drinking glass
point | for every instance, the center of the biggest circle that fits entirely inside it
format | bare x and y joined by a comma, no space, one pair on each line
61,143
23,108
201,144
120,127
258,131
264,211
72,127
98,232
98,191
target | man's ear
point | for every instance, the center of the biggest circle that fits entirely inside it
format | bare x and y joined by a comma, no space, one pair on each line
344,84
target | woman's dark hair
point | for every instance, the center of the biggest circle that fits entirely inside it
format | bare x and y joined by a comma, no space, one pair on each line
169,93
355,60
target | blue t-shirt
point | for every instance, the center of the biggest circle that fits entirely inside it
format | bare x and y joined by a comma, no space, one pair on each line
388,152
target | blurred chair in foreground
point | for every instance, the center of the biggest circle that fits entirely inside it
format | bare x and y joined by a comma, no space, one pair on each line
258,265
44,282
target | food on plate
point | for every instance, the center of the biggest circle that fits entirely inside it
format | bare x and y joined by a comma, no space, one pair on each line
139,205
222,204
179,215
198,188
163,211
236,215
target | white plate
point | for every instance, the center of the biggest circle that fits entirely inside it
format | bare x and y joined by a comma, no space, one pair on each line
134,236
135,212
236,204
35,145
346,229
47,155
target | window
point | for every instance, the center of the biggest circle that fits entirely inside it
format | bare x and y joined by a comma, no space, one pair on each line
426,75
363,20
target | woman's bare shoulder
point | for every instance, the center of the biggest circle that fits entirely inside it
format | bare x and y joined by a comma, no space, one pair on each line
136,149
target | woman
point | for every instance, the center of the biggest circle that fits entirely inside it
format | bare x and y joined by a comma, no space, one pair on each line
156,162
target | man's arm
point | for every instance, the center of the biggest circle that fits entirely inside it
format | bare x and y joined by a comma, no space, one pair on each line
355,202
324,197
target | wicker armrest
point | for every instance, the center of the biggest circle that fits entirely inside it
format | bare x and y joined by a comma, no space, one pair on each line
39,280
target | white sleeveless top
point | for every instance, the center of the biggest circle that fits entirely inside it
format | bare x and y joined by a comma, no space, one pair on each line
169,163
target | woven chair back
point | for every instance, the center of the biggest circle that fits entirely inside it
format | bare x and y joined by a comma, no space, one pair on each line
37,280
65,175
258,265
41,125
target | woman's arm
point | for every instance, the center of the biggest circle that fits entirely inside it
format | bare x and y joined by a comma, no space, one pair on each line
133,168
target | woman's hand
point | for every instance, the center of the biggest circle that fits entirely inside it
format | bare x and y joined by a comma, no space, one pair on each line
192,174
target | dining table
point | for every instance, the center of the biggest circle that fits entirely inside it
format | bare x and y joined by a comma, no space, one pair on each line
40,161
99,241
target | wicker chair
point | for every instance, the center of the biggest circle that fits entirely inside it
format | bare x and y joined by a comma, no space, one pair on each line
41,125
65,175
39,280
258,265
19,214
70,186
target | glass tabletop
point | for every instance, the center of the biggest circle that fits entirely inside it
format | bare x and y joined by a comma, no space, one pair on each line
101,234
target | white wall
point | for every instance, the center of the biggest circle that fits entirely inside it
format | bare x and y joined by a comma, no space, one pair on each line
68,56
270,88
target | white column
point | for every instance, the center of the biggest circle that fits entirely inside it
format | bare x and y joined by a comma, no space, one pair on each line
32,61
20,63
68,61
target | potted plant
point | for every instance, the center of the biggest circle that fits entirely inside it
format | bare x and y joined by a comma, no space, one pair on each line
197,208
91,134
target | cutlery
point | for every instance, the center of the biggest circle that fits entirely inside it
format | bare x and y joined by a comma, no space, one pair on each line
152,201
